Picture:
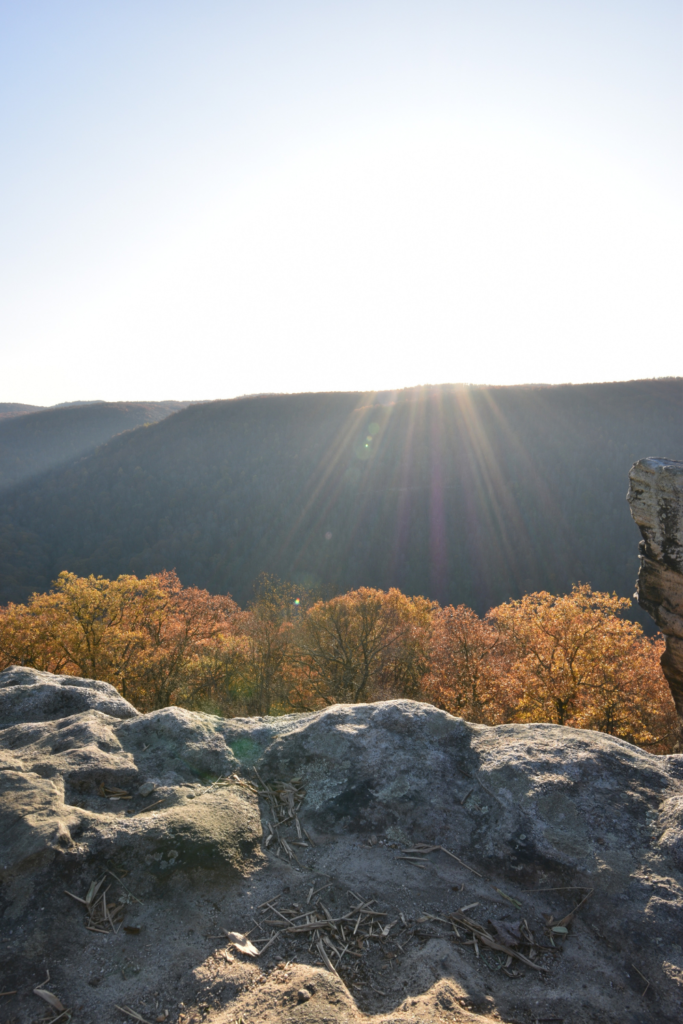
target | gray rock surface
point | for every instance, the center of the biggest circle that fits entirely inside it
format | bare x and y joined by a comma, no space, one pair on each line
28,695
656,499
531,819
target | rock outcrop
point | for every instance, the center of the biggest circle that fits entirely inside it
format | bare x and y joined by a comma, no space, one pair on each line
462,872
27,695
656,499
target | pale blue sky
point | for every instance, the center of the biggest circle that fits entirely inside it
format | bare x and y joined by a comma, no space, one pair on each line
203,199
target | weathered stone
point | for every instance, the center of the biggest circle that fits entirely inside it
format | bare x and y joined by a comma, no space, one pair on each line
656,499
538,815
27,695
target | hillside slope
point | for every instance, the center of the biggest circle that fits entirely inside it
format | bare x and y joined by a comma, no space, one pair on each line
463,494
32,441
10,409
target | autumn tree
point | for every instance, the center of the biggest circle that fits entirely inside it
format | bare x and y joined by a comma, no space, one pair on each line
569,659
364,645
465,674
266,673
191,645
573,660
88,627
629,697
155,640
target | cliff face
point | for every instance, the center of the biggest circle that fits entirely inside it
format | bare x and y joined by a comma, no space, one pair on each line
656,499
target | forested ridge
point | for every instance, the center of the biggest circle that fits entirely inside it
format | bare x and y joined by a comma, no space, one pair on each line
34,440
11,409
469,495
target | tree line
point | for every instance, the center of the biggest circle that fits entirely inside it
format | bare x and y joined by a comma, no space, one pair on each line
570,659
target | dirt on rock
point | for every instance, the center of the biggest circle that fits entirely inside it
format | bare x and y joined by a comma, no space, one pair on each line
383,863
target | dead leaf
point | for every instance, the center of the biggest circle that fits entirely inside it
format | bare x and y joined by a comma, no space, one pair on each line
242,943
50,998
150,806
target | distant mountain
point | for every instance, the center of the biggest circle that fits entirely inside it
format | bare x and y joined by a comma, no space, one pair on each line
10,409
464,494
42,439
66,405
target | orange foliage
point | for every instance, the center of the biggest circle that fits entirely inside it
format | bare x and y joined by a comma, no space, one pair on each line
362,646
154,639
465,676
575,661
570,659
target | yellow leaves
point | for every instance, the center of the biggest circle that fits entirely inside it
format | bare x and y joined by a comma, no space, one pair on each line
465,667
560,647
361,646
150,637
569,659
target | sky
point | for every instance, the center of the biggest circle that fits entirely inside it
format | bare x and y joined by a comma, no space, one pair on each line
202,198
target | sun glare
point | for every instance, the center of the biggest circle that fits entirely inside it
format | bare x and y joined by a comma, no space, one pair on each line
438,254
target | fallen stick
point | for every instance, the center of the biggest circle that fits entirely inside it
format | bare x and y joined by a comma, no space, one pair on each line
473,870
270,941
565,920
209,788
313,926
59,1017
75,898
328,962
510,952
272,900
480,935
560,888
149,808
647,983
131,1013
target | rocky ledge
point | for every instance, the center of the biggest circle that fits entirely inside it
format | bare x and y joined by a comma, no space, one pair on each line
381,862
656,499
